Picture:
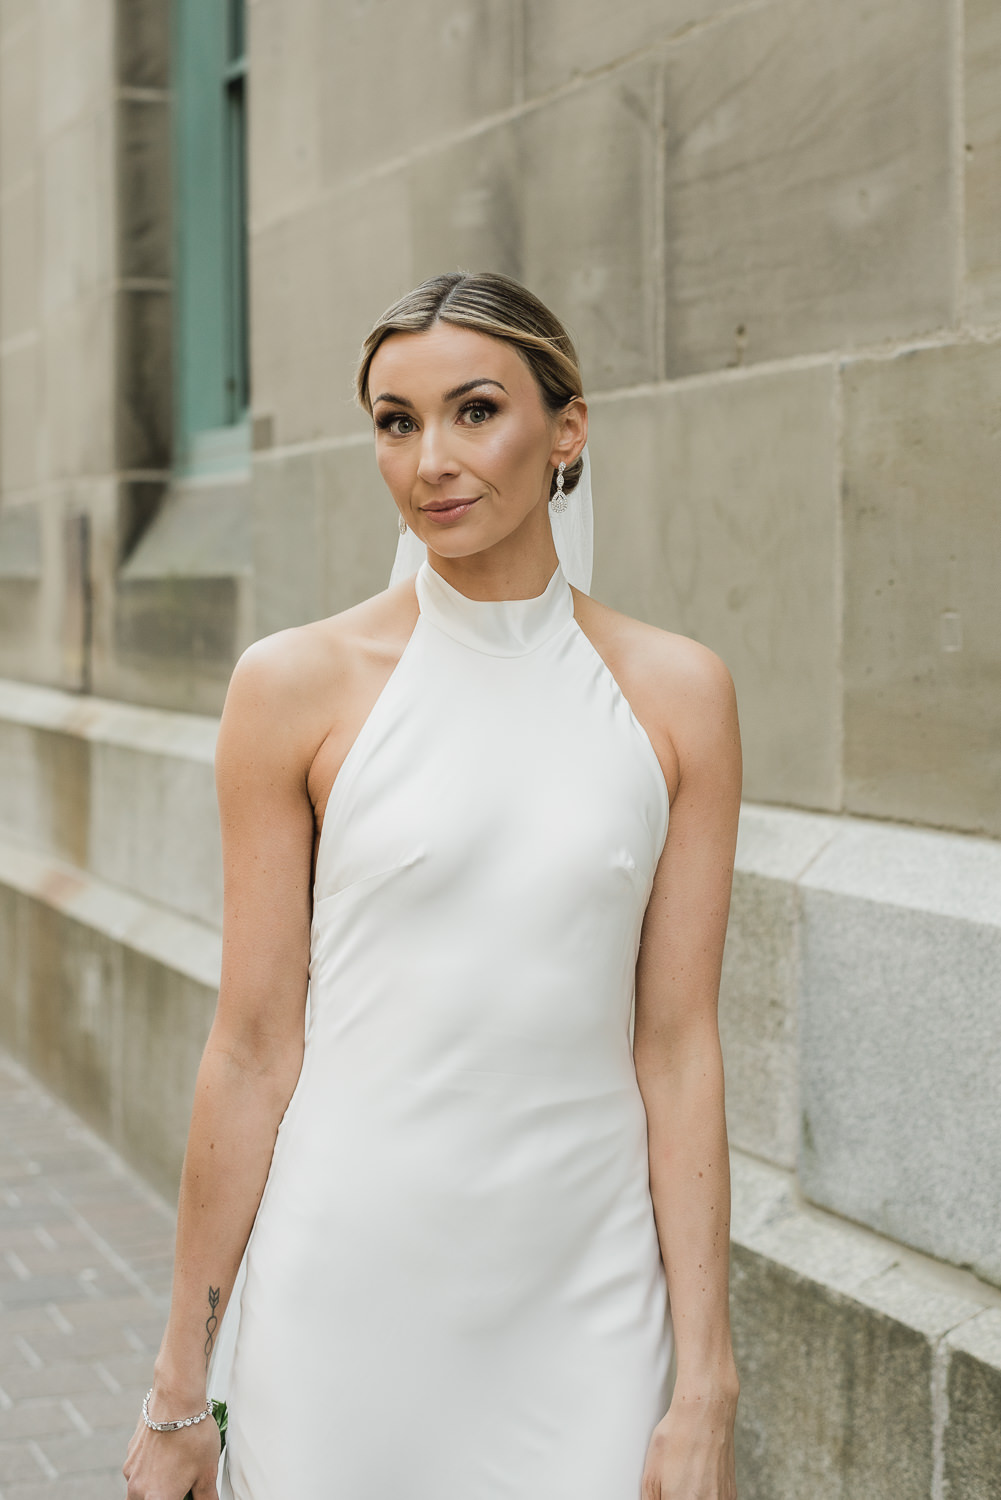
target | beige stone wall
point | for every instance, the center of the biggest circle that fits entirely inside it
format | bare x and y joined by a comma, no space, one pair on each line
775,230
85,368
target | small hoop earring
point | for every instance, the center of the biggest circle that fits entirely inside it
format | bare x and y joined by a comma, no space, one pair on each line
559,500
403,526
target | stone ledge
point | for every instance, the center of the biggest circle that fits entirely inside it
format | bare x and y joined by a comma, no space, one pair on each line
125,793
860,1024
845,1344
108,1000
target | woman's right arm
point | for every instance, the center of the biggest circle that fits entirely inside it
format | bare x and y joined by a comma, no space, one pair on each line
253,1055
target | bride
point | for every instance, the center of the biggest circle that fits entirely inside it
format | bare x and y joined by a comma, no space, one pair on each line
458,1137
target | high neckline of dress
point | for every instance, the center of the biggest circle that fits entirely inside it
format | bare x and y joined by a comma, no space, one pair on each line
499,627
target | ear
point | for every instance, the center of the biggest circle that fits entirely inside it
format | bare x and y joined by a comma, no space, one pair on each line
571,432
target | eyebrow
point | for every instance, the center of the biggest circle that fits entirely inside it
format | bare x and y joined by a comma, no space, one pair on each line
452,395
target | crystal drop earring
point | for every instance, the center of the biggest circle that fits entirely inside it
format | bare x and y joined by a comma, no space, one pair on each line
403,526
559,500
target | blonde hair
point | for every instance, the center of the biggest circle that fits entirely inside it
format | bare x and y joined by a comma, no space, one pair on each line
490,303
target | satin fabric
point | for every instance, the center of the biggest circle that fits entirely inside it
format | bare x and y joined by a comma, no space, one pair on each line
453,1289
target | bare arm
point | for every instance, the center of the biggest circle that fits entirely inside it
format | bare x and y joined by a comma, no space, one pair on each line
253,1055
680,1072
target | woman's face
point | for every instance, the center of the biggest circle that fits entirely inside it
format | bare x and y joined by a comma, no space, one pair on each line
463,439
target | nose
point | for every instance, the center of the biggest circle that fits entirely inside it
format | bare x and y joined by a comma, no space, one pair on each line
435,463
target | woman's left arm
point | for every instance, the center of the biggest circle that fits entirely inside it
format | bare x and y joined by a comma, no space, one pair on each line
679,1069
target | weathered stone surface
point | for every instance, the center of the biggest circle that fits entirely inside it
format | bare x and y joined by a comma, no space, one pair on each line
144,397
972,1440
922,607
143,189
758,992
325,534
125,793
797,138
77,215
900,1038
18,260
74,425
835,1400
982,98
465,205
20,410
142,36
339,91
563,39
716,516
360,525
289,541
836,1350
76,55
589,235
154,828
108,1000
322,278
465,46
18,100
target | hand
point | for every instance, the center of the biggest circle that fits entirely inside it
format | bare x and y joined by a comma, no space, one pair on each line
690,1456
173,1465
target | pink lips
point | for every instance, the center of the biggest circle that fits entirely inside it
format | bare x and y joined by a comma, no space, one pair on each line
448,511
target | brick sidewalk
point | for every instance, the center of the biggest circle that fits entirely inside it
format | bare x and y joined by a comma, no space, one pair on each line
85,1261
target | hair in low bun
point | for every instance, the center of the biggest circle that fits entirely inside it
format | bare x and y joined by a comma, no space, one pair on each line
490,303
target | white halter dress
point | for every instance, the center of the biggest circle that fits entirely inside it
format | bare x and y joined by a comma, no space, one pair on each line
453,1289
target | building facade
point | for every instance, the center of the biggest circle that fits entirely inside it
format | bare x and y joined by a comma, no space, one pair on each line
774,228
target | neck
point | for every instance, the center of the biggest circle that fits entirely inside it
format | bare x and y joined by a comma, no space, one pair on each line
519,566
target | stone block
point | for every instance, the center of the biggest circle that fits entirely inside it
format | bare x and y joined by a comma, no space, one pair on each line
154,828
123,792
75,422
838,1349
808,201
143,374
900,1038
359,521
325,534
716,516
288,542
759,988
590,230
982,99
972,1442
21,628
288,47
19,101
108,1000
321,278
465,205
390,85
922,639
564,41
142,36
77,59
77,214
167,1019
835,1399
143,195
20,404
18,260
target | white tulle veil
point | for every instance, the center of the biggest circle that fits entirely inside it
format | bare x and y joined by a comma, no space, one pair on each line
573,535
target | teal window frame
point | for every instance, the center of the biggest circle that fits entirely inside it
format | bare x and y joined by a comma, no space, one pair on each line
211,342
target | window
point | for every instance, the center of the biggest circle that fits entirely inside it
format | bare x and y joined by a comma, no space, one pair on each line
211,366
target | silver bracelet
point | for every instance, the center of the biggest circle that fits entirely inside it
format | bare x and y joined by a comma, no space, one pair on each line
173,1426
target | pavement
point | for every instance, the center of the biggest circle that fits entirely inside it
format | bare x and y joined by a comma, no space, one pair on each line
86,1250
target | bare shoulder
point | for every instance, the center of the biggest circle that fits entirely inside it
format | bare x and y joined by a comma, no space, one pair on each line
680,690
290,686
